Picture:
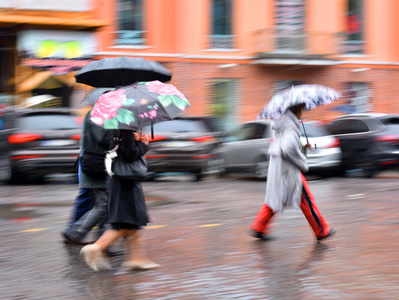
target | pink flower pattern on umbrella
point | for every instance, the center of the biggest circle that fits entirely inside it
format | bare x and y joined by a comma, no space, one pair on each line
164,89
138,105
152,114
106,108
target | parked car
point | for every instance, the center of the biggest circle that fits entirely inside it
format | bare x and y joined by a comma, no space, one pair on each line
325,156
244,149
369,142
184,144
37,142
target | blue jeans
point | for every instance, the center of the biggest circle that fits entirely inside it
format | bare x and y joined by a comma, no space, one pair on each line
78,230
83,203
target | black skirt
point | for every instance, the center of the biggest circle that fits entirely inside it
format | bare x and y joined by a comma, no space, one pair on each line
126,203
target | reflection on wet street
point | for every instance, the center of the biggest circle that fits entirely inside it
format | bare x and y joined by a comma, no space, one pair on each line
199,236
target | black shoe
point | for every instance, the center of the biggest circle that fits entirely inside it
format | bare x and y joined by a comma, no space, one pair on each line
69,241
330,234
259,235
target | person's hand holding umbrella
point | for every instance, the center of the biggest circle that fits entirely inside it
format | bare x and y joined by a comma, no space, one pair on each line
141,137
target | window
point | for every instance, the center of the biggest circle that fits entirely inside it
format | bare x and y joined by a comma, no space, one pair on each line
48,121
358,95
224,92
313,130
221,24
130,23
354,43
289,24
348,126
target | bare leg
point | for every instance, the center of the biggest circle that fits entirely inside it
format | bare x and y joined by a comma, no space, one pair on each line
137,256
109,237
94,254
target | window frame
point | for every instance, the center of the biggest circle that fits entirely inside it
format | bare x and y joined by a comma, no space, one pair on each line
224,38
130,37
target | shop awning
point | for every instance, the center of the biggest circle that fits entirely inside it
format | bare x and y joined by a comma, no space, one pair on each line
45,80
33,81
53,22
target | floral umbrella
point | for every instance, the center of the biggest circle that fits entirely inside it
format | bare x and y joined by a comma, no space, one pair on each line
138,105
312,95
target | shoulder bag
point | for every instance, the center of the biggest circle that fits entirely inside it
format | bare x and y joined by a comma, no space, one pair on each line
119,168
92,163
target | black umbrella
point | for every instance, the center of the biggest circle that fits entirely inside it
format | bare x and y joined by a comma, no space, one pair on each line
121,71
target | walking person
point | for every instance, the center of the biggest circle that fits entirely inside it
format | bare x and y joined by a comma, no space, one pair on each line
286,186
84,202
99,139
127,213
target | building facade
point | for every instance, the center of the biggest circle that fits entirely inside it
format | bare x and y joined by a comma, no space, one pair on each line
42,43
230,56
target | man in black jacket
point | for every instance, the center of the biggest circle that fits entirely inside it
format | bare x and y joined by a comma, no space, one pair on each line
100,139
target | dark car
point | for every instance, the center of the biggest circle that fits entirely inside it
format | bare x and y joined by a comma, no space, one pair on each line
244,150
369,142
185,144
37,142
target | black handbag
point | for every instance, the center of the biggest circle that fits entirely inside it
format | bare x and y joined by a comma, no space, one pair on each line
92,163
119,168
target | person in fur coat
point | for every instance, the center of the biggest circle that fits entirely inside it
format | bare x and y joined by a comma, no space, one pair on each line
286,186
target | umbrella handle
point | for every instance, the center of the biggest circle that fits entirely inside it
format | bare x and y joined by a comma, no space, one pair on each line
152,131
304,130
307,141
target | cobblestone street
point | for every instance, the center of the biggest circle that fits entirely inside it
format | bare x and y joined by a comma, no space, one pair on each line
199,236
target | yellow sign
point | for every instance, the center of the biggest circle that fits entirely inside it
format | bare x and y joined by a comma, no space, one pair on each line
52,48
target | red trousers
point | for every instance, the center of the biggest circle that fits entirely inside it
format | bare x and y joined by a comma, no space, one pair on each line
308,207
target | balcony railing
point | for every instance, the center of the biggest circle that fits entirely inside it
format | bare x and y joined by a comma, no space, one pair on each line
272,41
129,37
221,41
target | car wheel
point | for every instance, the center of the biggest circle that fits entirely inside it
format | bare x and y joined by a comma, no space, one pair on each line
261,168
364,160
14,176
216,166
198,175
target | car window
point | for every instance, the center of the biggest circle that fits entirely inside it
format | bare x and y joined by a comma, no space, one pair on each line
260,130
348,126
313,130
178,125
245,132
391,125
47,121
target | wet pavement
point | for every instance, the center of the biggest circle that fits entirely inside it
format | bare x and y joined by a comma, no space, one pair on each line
199,236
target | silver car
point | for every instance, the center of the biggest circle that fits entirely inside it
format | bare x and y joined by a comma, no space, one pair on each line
325,156
244,149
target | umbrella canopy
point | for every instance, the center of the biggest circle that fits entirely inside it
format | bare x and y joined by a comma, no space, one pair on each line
95,95
121,71
138,105
312,95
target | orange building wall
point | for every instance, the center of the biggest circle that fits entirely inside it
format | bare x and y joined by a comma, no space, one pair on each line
178,33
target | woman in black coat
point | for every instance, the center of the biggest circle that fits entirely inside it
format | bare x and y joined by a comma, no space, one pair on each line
127,213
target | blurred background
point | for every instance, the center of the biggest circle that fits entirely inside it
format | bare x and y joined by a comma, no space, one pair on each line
229,57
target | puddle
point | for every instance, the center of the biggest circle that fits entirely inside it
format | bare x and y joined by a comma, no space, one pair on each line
154,201
26,210
19,213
